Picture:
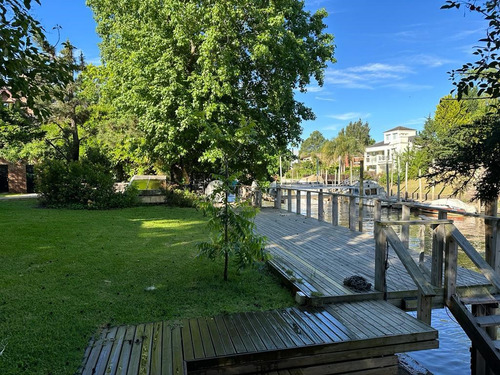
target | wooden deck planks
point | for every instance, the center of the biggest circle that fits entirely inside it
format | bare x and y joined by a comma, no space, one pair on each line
247,339
321,256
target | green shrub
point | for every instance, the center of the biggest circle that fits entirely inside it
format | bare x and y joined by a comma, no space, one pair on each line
180,198
80,184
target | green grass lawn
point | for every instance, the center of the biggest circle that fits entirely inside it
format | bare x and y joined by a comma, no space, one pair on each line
65,273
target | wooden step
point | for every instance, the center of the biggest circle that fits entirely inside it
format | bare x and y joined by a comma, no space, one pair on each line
488,321
497,344
481,300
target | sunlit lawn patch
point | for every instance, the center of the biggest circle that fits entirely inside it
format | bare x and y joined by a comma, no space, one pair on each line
65,273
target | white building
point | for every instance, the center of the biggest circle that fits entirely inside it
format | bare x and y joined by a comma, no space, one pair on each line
396,141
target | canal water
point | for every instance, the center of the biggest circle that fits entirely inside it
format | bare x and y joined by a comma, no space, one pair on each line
453,355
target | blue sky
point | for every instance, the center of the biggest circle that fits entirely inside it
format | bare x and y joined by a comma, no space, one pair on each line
392,58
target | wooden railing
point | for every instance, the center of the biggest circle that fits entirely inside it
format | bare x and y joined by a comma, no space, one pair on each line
446,241
384,236
355,221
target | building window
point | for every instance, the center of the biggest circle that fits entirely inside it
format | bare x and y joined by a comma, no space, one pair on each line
394,136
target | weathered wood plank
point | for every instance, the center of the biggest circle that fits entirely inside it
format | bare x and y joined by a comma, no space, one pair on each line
95,353
187,341
279,341
128,342
253,333
477,335
166,350
260,331
112,362
225,335
409,263
135,355
380,259
216,337
156,349
177,358
352,213
196,339
206,338
476,258
234,335
146,351
450,268
350,366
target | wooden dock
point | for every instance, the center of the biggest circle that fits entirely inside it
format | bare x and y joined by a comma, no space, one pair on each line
315,257
338,330
357,336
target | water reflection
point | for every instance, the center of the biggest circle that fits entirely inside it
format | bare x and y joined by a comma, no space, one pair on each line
453,355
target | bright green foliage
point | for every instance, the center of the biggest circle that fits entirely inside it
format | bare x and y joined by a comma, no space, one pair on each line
312,145
27,70
450,114
231,228
195,72
471,154
484,73
344,147
359,131
79,184
68,110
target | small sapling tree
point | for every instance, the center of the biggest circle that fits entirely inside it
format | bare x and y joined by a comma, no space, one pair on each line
231,228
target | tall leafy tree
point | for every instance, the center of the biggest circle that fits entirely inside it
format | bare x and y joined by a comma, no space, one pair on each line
312,145
27,67
69,110
212,80
360,132
450,113
483,73
465,148
471,155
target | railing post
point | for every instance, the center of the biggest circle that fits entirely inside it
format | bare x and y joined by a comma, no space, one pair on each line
308,204
297,203
277,202
352,215
438,243
492,252
335,210
424,308
361,194
289,200
405,228
450,268
377,210
380,258
321,214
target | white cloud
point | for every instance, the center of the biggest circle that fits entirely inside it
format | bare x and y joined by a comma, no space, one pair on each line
314,88
332,127
323,98
413,122
430,60
349,116
367,76
379,68
408,86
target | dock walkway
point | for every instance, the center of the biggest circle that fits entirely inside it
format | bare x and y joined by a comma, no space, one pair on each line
316,257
